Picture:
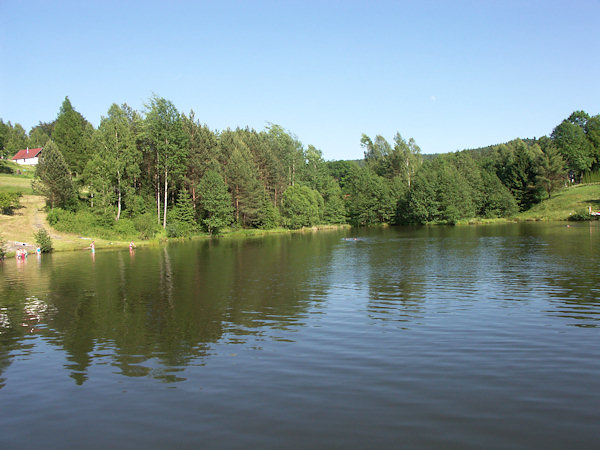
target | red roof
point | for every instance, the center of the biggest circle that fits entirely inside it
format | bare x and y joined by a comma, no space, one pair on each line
27,153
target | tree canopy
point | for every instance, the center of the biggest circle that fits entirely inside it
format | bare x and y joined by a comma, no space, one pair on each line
143,170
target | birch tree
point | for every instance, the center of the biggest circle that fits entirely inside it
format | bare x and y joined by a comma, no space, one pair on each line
163,130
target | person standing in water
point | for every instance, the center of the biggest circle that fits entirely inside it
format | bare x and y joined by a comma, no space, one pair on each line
93,247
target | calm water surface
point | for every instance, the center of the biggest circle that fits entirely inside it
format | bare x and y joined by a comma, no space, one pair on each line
405,337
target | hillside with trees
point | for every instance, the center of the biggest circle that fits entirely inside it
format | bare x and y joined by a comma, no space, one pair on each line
162,172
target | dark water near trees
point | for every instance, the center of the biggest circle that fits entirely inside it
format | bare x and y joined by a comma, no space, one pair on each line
430,337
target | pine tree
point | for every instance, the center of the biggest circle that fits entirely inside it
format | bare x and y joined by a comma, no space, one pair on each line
185,209
72,134
550,169
245,187
181,218
52,177
215,202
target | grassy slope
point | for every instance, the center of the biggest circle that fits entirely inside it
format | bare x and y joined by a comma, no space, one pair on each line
15,183
26,221
565,203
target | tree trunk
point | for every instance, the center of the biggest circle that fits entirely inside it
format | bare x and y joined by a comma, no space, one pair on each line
118,195
165,205
157,198
237,203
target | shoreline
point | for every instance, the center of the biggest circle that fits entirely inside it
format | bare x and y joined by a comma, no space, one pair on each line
69,242
18,229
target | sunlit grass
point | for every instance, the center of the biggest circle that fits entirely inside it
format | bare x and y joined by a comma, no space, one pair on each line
565,203
15,183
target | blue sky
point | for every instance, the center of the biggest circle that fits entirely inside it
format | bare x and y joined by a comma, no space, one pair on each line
451,75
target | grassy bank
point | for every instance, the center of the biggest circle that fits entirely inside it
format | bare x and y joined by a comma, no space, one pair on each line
565,203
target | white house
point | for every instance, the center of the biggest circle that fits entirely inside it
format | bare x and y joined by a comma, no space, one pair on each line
28,156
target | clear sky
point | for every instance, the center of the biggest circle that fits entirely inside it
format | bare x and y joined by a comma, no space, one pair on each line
450,74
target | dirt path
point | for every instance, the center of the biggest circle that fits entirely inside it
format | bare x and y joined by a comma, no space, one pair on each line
18,230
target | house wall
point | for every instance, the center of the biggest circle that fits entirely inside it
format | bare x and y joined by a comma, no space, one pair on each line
28,161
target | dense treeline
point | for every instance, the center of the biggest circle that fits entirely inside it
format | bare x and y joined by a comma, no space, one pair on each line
142,172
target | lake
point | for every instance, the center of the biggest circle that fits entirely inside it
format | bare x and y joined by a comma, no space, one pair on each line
453,337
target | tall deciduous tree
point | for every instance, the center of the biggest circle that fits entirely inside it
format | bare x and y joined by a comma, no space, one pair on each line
165,137
402,160
368,199
573,144
3,134
52,177
375,151
117,155
335,210
16,139
300,206
315,171
408,156
288,150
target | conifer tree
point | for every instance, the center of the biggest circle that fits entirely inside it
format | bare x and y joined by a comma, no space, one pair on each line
215,202
72,134
550,173
52,177
181,217
245,187
185,209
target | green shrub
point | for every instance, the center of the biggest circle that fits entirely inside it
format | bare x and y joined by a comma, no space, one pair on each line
580,216
9,201
43,240
268,217
5,168
146,225
179,229
2,248
125,227
52,217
